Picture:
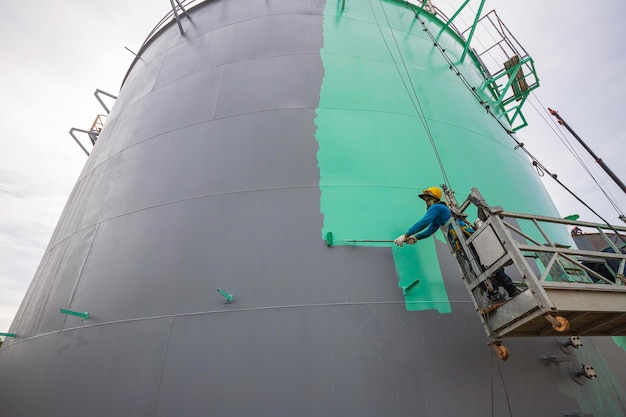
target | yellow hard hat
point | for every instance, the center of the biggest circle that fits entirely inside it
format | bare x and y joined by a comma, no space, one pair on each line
434,192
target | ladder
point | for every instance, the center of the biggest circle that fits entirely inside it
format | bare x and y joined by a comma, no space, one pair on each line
563,292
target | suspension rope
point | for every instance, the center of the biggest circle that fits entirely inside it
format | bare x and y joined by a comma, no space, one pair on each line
506,391
406,69
558,133
491,380
415,101
572,150
519,145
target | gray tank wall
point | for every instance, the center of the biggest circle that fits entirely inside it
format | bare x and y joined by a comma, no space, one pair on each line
206,177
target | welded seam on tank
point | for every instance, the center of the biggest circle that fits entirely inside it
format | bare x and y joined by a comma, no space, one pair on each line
225,193
154,36
238,310
183,200
174,80
32,285
157,136
185,127
160,135
82,268
158,389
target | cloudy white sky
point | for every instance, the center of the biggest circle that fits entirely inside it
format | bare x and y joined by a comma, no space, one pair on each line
55,54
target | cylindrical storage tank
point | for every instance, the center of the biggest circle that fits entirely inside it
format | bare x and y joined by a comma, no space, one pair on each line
231,152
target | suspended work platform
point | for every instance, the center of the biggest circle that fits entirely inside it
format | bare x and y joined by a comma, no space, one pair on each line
566,291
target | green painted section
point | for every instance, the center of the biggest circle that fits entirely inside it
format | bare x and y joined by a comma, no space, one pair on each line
374,154
411,264
620,341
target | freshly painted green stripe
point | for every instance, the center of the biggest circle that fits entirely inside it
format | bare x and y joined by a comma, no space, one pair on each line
374,153
420,262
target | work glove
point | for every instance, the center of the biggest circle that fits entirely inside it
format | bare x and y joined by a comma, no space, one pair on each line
411,240
400,240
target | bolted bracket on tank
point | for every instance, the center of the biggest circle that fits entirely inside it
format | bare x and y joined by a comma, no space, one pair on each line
570,342
585,371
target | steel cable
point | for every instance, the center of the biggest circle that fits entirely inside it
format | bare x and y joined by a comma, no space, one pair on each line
576,155
519,145
414,98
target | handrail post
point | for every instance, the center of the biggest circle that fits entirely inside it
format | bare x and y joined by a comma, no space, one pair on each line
469,38
449,22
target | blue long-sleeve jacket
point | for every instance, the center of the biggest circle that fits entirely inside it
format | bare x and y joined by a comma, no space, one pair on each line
436,216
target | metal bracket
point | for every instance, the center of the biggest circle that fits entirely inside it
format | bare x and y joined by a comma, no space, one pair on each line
96,126
408,288
93,136
97,94
471,34
517,65
176,15
586,371
329,239
84,315
228,297
570,342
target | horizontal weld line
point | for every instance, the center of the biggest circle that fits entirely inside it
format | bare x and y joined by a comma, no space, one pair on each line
165,132
415,116
202,313
163,24
251,190
367,186
294,187
224,64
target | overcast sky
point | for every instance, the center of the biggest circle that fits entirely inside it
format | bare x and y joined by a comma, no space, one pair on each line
55,54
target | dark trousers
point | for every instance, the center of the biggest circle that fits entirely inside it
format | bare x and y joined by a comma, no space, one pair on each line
505,281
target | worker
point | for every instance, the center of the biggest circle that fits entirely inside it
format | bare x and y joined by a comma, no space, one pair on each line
437,214
601,267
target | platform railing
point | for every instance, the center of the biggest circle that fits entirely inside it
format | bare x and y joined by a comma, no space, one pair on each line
562,284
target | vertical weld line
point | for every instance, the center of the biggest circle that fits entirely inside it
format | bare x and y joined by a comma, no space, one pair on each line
82,268
31,288
56,271
158,388
219,91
